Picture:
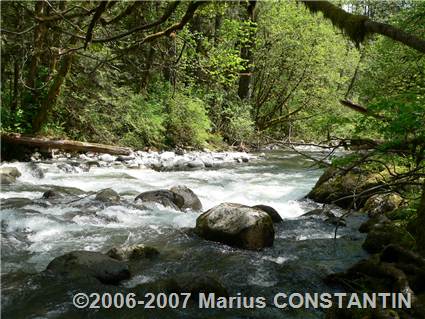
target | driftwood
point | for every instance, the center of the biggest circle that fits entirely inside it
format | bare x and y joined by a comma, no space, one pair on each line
66,145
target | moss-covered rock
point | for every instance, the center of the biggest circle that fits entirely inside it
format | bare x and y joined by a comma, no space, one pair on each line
337,186
382,203
81,264
374,222
379,237
236,225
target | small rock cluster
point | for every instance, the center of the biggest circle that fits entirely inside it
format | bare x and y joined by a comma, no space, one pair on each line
161,161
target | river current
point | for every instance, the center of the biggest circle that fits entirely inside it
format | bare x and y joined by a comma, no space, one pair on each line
35,231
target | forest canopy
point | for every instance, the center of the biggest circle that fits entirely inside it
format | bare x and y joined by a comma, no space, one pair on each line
193,74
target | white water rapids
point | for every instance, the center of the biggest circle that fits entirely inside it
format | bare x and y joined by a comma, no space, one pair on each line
36,230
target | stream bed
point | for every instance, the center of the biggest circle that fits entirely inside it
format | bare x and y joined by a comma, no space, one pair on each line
35,230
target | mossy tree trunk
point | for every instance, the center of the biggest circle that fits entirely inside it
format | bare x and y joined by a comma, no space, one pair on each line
244,89
50,100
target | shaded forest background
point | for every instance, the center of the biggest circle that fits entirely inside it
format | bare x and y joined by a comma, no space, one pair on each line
196,74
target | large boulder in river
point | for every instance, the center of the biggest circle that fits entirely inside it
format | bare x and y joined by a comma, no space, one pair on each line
236,225
337,186
107,195
191,201
132,252
276,218
164,197
82,263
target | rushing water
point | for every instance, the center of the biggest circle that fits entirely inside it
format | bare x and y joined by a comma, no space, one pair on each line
304,251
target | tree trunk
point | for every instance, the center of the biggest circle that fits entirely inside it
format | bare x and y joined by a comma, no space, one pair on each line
244,89
67,145
50,100
16,75
39,33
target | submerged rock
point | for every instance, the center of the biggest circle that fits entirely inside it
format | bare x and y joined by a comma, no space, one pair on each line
15,202
186,283
90,264
132,252
326,215
35,170
236,225
108,195
164,197
190,200
6,179
67,168
276,218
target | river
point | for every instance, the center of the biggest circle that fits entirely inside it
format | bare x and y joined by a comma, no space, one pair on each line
36,231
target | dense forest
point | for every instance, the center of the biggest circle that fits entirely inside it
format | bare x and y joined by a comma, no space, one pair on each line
235,75
187,74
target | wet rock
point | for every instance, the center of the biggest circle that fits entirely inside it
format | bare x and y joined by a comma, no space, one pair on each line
382,203
67,168
319,212
190,200
378,238
187,283
8,175
276,218
51,194
107,158
15,202
35,171
84,167
236,225
164,197
195,163
11,171
337,221
374,222
6,179
108,195
90,264
200,283
132,252
124,158
93,163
